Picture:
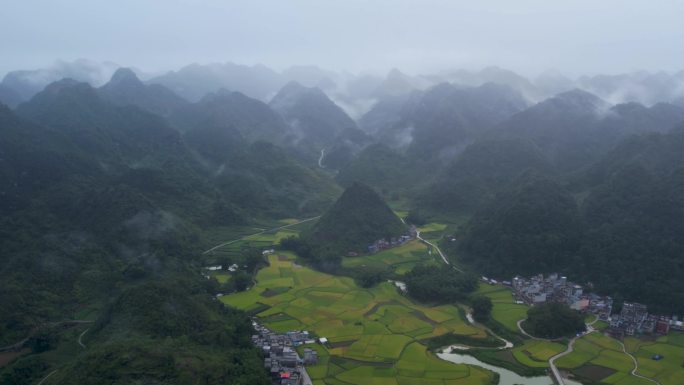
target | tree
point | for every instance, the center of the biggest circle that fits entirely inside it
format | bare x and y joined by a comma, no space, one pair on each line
416,217
253,258
241,280
439,284
554,320
369,276
482,308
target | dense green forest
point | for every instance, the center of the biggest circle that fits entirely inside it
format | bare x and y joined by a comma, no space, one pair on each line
605,225
103,213
553,320
358,218
110,194
439,285
532,225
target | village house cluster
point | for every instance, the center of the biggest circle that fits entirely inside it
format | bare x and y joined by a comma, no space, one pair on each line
633,318
384,244
280,357
554,288
232,268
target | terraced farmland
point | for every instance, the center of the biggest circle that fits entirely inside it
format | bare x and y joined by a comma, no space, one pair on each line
373,333
505,310
600,358
399,259
670,369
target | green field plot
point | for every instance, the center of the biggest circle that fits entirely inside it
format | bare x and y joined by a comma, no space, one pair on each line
434,226
615,360
234,239
433,232
220,276
320,370
398,259
509,314
419,366
626,379
272,237
536,354
603,341
505,311
669,369
369,330
600,358
583,352
601,325
374,333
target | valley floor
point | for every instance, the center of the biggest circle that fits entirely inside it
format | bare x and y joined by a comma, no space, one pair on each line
379,335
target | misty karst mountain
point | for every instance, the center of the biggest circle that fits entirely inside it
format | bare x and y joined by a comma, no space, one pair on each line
124,88
441,121
194,81
318,124
113,187
341,193
358,218
23,84
251,118
483,169
574,128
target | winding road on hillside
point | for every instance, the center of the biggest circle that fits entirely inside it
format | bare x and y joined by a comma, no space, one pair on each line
80,338
33,331
48,376
259,233
636,365
519,323
444,258
320,160
49,324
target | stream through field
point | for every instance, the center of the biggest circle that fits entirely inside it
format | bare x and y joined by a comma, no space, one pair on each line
506,377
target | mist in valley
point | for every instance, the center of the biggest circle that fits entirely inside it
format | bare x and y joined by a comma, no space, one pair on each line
176,174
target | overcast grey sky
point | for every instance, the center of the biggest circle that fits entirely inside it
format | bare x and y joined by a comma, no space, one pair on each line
574,36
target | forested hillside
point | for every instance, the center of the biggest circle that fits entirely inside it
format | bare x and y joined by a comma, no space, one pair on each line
613,224
109,195
358,218
104,208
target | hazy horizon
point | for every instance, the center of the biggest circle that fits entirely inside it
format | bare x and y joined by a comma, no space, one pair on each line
528,37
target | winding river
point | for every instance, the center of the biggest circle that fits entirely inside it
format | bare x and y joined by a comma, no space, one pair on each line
506,377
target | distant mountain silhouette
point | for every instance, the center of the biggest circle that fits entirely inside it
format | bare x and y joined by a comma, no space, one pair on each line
125,88
318,123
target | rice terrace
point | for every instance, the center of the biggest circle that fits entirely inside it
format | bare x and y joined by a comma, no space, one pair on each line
371,331
378,335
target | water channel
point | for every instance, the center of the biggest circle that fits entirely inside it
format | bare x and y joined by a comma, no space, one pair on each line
506,377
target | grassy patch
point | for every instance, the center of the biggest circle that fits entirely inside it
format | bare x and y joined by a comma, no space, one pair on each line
505,359
453,339
536,354
398,260
506,312
603,354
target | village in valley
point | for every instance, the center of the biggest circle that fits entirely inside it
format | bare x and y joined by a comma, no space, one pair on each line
633,319
280,357
292,357
384,244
